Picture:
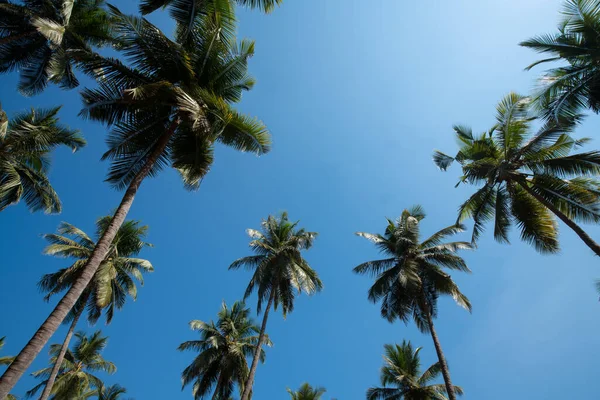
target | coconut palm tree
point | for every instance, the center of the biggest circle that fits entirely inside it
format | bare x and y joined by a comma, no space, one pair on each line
279,272
409,282
170,104
114,280
223,348
45,39
6,360
307,392
76,376
567,89
26,141
113,392
401,376
525,177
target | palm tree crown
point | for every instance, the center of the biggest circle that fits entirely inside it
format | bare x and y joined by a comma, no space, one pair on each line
174,98
279,268
76,375
414,269
223,349
26,141
307,392
114,280
565,90
401,376
526,177
44,40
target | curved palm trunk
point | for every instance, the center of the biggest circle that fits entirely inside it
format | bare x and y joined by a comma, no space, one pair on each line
63,350
51,324
438,350
261,338
595,247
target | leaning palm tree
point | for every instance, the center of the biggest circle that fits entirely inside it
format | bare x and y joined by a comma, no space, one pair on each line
170,105
279,271
525,177
409,282
307,392
567,89
401,376
6,360
76,376
223,348
45,40
26,141
112,283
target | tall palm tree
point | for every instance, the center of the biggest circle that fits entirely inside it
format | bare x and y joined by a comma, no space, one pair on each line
114,280
279,271
77,370
6,360
45,39
409,282
169,105
307,392
26,141
401,376
527,177
567,89
223,348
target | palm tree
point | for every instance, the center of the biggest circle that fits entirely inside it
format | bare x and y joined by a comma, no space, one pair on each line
402,371
567,89
409,282
169,105
223,347
279,271
113,392
307,392
26,141
77,370
114,280
6,360
526,177
44,40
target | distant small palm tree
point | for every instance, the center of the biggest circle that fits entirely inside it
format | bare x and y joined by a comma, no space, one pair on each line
279,272
112,283
44,40
76,376
223,348
26,141
307,392
6,360
401,377
526,177
113,392
410,281
567,89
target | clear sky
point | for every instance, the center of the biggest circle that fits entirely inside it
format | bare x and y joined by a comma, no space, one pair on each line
357,95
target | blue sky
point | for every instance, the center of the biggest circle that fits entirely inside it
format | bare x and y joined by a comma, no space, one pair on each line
357,95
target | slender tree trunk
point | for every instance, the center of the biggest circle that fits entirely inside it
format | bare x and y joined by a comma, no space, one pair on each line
261,338
63,350
51,324
12,38
595,247
438,350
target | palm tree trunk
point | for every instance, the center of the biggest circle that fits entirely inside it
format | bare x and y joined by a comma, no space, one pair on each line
63,350
18,36
261,338
24,359
438,350
595,247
